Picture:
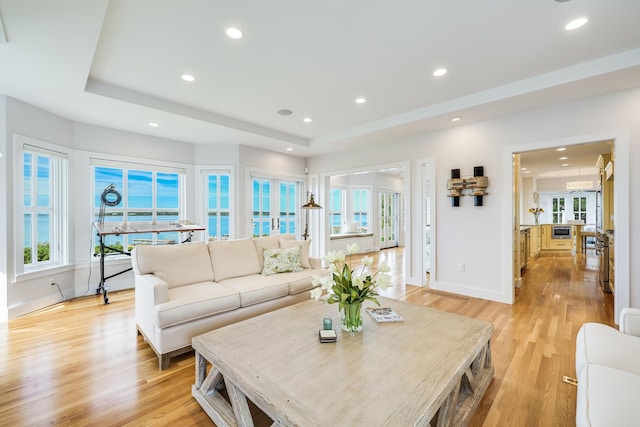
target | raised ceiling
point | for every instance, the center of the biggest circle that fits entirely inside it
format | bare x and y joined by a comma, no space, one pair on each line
118,64
570,161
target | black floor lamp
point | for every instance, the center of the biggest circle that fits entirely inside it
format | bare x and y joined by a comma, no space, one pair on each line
309,205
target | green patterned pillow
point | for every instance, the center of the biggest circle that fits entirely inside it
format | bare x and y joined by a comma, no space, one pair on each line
281,260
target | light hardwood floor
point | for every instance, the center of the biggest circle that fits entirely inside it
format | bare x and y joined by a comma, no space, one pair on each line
82,363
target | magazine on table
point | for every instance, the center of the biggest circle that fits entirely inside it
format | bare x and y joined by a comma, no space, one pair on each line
384,314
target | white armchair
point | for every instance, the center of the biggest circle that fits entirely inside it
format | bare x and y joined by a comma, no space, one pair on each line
608,371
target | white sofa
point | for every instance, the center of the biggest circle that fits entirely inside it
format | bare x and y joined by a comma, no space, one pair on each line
182,291
608,372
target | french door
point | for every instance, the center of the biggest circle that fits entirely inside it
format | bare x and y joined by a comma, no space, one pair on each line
275,206
389,205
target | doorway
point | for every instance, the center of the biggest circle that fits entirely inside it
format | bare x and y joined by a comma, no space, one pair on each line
517,208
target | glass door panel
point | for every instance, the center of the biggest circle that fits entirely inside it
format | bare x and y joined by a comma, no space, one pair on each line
275,206
388,219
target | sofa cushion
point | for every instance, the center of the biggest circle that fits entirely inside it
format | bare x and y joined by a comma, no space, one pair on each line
177,265
256,288
304,249
595,342
233,258
300,281
281,260
195,301
265,242
607,397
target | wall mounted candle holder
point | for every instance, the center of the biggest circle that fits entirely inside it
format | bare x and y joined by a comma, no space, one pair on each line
477,185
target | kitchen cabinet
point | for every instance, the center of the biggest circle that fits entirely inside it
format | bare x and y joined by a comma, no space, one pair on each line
606,190
549,244
612,270
524,248
545,237
535,241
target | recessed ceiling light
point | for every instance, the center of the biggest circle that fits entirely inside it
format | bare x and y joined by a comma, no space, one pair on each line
564,158
561,149
360,100
527,171
456,119
576,23
153,124
564,165
440,72
233,33
289,149
285,112
524,169
307,120
188,78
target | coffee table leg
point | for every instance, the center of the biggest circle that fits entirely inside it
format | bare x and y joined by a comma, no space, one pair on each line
201,369
205,391
240,405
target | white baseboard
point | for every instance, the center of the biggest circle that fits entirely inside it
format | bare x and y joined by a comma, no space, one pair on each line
469,291
40,303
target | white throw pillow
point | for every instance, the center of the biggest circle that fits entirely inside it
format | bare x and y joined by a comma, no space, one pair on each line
281,260
304,249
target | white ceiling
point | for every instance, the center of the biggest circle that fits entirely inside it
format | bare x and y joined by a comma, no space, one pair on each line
118,64
571,161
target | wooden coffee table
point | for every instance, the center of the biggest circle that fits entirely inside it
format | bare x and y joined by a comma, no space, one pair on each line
434,366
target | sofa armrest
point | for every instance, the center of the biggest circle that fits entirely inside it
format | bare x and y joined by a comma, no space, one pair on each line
151,289
316,263
630,321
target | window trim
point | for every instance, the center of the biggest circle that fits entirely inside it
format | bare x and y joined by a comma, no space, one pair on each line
59,193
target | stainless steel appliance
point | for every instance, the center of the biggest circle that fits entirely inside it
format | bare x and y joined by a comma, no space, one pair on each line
561,232
602,249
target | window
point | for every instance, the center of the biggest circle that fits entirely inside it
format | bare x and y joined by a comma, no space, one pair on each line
336,209
361,207
217,187
580,208
44,203
557,210
149,194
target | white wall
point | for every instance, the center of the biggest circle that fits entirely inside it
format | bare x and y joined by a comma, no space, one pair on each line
479,237
4,208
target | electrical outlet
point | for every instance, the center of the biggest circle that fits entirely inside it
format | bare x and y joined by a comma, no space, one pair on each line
52,281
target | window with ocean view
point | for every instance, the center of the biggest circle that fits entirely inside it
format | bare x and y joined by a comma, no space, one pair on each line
217,187
148,194
361,208
337,207
44,187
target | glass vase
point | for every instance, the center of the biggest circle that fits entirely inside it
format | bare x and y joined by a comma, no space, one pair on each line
351,318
